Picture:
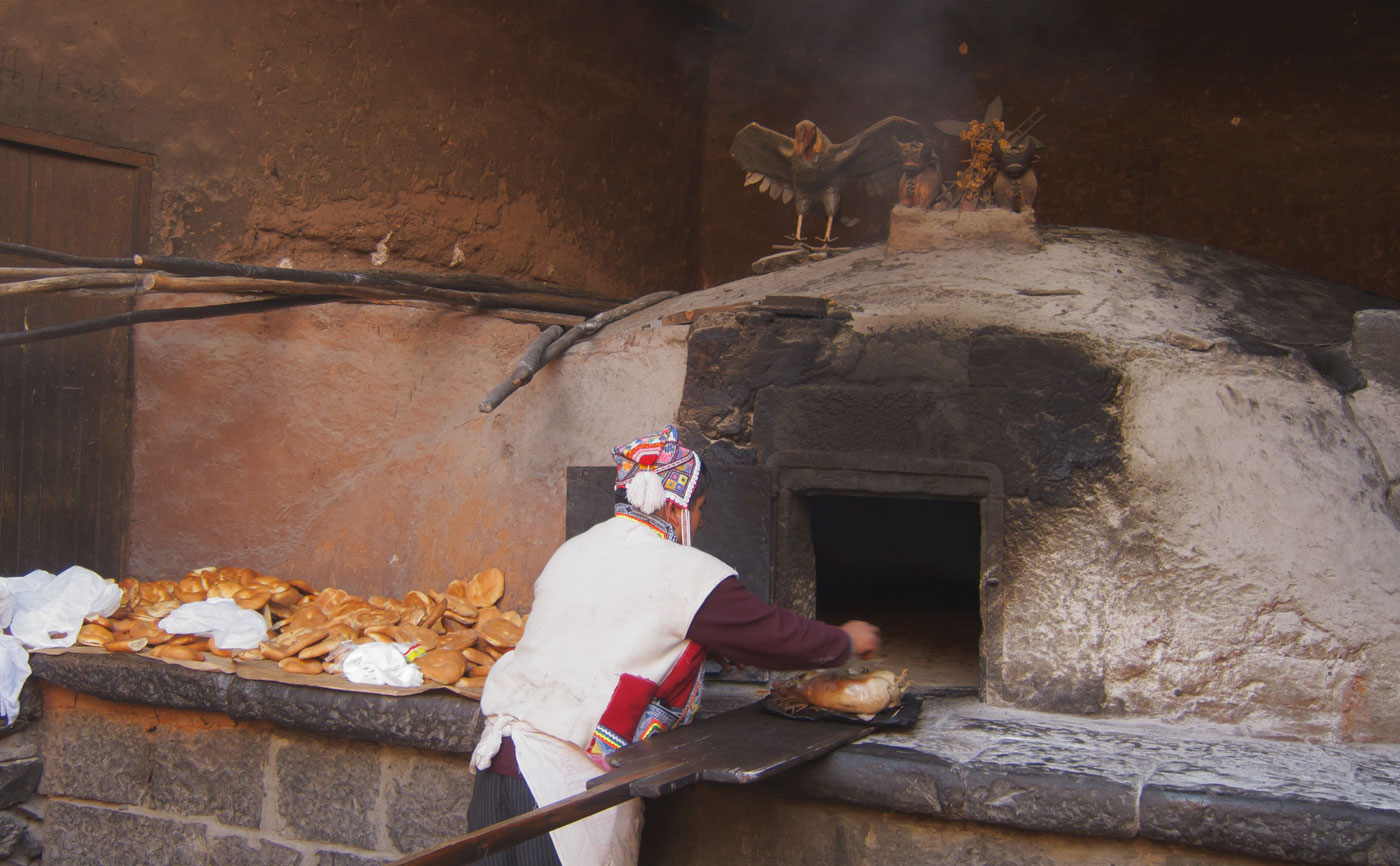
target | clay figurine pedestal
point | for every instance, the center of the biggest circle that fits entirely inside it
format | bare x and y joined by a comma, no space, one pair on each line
918,230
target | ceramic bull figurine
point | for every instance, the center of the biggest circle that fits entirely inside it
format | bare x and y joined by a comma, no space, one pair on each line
1015,184
921,184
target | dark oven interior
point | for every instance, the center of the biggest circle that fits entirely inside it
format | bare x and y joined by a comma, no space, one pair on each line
912,545
912,567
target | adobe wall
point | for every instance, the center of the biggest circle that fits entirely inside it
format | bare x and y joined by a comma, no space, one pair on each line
342,444
554,145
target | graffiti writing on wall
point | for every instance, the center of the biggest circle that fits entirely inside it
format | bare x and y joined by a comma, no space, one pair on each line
23,80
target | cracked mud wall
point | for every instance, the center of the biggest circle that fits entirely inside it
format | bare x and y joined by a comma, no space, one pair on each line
343,444
558,145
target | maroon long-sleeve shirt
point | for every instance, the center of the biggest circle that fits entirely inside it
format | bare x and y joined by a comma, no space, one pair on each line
734,624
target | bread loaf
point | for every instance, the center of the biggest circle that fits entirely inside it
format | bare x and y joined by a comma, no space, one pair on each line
93,634
191,588
442,665
485,588
135,645
477,657
180,653
500,632
299,666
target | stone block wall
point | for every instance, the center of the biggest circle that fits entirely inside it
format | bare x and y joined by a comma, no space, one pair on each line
21,765
760,829
129,784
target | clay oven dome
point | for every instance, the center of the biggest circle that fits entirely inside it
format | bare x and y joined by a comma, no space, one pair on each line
1186,461
1151,478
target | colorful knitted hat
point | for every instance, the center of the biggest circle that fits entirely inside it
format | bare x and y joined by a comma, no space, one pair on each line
655,468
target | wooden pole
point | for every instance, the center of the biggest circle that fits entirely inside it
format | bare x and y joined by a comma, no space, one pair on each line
95,280
525,368
530,361
173,314
158,282
480,290
28,252
8,274
561,345
236,285
147,282
162,282
613,788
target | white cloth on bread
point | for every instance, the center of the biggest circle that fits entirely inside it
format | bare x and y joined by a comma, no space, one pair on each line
14,670
227,625
49,608
380,664
7,605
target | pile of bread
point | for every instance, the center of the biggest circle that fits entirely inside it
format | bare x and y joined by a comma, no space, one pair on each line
454,636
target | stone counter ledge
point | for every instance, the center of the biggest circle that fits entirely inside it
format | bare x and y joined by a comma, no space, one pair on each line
964,760
1197,786
438,721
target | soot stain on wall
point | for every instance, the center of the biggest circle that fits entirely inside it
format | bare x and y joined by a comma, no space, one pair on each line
1041,408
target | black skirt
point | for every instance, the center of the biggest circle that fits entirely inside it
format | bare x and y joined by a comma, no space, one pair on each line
497,798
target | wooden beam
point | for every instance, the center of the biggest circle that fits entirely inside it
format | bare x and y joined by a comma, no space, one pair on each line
77,147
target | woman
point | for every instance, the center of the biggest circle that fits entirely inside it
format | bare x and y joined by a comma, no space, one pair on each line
623,617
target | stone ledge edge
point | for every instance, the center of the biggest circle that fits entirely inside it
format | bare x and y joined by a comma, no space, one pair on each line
1080,804
437,722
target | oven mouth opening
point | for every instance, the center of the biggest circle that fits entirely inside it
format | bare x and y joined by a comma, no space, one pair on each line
912,566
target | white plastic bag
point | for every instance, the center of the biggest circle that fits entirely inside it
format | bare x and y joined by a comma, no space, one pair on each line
228,626
381,664
49,609
7,605
14,670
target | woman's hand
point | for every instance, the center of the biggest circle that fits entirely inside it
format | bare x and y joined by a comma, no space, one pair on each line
865,638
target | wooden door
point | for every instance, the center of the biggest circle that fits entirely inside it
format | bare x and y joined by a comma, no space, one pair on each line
65,405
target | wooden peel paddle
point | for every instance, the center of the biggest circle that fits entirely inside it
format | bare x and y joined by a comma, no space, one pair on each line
739,746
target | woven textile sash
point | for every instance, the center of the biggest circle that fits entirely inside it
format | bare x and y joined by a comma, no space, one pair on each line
640,708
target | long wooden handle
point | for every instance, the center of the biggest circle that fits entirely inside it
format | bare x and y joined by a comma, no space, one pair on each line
612,789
